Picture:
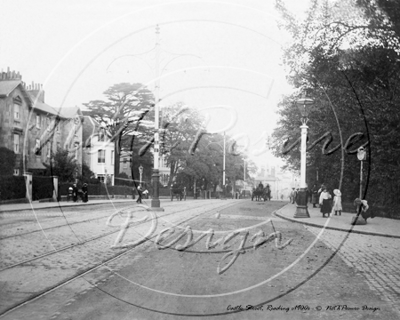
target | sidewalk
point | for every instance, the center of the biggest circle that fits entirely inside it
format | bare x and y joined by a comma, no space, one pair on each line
44,205
377,226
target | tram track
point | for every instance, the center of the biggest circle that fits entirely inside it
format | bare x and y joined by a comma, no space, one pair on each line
89,269
80,243
53,227
57,226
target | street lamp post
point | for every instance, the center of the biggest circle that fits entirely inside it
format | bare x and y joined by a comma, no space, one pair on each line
361,155
244,171
223,175
155,201
140,173
301,200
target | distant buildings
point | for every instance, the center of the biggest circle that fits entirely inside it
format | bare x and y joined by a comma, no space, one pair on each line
280,182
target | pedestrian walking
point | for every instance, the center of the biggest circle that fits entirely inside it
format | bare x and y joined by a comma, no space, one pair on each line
337,202
293,195
70,193
139,191
184,193
325,202
85,195
74,193
314,196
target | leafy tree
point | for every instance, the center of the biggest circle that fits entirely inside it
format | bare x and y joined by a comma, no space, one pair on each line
87,176
180,126
7,161
62,165
125,106
347,55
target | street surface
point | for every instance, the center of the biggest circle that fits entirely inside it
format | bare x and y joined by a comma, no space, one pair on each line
168,266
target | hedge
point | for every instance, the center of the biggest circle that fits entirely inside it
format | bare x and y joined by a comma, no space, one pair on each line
42,187
12,187
98,189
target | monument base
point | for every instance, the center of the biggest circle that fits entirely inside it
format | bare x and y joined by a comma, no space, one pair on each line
302,208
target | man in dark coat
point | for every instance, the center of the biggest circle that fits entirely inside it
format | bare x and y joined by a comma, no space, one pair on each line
85,195
139,191
314,195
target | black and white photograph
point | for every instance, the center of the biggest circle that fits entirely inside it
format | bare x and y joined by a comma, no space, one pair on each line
199,159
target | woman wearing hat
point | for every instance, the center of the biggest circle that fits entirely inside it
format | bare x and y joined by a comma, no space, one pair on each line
325,202
337,202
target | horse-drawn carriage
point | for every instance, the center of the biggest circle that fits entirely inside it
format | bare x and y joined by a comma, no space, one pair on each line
178,192
261,193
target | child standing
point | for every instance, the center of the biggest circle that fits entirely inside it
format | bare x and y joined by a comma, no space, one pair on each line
337,202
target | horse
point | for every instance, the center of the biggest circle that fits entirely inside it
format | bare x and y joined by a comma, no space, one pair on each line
261,193
257,194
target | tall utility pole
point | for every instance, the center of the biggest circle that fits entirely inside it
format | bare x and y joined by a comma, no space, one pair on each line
155,201
244,171
223,174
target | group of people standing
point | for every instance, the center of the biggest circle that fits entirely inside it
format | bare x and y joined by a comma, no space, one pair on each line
73,193
328,202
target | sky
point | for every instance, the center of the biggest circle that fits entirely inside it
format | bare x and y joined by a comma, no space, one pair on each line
223,58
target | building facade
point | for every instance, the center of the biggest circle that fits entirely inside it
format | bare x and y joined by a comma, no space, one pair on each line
98,150
33,129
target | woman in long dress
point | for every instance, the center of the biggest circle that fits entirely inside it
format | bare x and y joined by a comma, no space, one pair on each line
325,202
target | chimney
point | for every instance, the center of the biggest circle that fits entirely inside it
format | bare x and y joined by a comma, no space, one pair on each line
37,91
9,75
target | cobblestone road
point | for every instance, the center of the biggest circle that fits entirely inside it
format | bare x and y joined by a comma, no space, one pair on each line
24,281
376,258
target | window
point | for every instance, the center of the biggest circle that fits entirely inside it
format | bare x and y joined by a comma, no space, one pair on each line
17,105
112,156
38,150
38,121
57,122
16,143
48,123
125,163
101,158
101,178
16,112
76,146
16,172
101,135
48,149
